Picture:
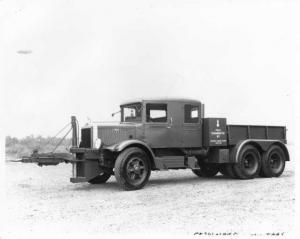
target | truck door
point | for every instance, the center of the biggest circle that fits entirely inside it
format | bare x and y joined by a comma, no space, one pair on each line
160,125
192,125
175,124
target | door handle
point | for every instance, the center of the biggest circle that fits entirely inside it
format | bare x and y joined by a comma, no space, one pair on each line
170,123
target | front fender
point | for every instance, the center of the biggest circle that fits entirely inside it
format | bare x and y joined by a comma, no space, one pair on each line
118,147
135,143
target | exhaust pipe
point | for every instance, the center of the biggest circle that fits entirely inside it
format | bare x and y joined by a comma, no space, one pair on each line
74,131
74,126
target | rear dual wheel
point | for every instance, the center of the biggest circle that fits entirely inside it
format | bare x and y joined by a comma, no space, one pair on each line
247,167
249,163
273,162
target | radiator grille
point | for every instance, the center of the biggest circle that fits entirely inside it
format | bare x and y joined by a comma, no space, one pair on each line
112,135
86,138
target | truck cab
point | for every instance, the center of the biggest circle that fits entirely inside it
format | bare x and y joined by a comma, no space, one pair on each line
166,123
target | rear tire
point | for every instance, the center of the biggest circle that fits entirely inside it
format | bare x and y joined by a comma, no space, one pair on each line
132,169
102,178
273,162
206,170
249,163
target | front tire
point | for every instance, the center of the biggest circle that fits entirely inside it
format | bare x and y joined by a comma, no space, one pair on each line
206,170
132,169
249,163
102,178
227,170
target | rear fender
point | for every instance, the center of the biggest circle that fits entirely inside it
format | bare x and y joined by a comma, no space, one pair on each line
261,144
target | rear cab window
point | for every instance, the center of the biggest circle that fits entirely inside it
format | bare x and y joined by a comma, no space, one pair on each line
156,113
191,114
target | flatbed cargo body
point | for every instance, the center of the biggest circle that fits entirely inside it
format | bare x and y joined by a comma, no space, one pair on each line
242,132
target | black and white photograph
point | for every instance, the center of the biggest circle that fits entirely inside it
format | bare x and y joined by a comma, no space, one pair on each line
149,119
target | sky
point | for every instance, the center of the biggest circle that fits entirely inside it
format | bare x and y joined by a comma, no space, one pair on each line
60,58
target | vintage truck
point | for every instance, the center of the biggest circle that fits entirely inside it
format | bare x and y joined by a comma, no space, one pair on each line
162,134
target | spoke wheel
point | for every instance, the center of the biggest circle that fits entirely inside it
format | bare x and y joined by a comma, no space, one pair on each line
132,169
136,170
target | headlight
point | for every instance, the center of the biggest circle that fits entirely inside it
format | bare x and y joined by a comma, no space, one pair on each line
98,143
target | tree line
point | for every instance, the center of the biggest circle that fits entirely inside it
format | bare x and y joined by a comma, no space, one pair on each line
16,148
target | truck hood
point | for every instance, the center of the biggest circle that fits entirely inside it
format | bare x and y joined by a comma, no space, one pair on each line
115,124
113,133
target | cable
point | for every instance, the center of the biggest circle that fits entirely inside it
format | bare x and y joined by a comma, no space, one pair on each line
52,138
77,123
61,140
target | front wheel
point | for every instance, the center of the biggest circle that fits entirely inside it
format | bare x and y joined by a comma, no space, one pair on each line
227,170
102,178
206,170
132,169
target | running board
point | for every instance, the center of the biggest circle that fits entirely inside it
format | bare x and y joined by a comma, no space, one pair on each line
177,162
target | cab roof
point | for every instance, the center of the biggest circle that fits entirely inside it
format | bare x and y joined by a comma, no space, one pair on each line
161,100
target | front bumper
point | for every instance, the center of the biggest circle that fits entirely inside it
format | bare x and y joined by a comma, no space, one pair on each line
90,163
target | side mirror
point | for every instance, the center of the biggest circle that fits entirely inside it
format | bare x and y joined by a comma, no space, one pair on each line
113,114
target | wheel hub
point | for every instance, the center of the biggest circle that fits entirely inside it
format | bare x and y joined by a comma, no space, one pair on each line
249,163
136,169
275,161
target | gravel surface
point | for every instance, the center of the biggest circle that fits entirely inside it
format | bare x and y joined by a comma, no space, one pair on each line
42,202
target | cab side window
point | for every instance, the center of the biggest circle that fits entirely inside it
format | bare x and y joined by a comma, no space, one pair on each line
191,113
156,113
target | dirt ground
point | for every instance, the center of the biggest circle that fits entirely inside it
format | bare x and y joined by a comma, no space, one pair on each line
41,202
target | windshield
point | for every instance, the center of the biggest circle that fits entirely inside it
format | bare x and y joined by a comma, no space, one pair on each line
131,112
